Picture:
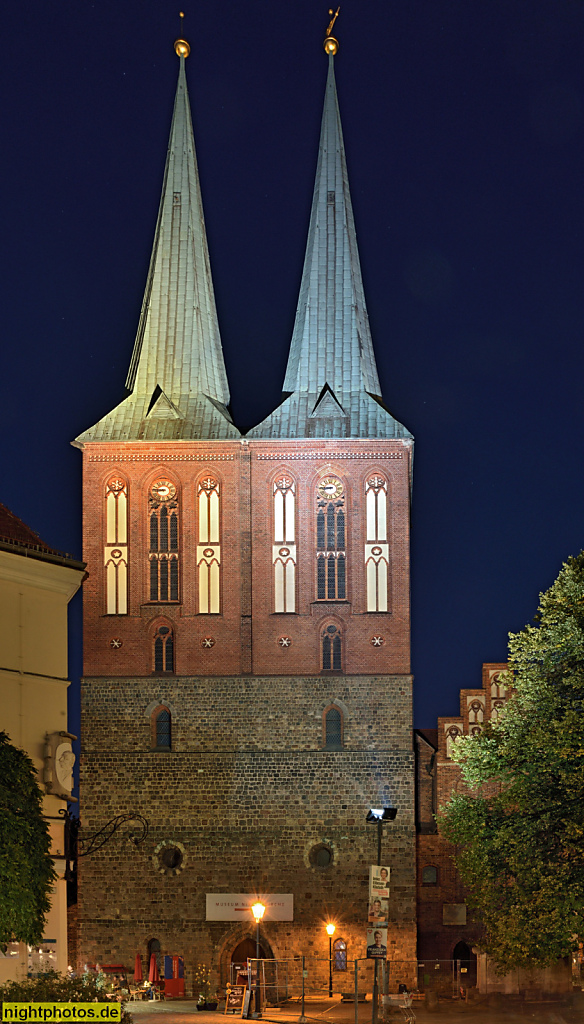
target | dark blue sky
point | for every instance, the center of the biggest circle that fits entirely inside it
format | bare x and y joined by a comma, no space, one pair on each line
463,126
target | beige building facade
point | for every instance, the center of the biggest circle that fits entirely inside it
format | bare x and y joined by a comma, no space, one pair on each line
36,585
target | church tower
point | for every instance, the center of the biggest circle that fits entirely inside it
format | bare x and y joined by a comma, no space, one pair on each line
247,679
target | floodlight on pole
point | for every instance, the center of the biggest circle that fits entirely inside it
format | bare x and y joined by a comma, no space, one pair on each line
330,930
376,816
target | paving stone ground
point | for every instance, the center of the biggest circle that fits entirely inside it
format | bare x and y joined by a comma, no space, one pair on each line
324,1011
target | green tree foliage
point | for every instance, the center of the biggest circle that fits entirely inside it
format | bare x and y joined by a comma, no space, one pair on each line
519,830
51,987
26,870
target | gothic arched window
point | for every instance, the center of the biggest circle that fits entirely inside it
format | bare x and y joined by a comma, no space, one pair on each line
209,546
284,546
163,511
453,732
331,553
498,688
376,546
339,955
164,649
331,646
116,546
475,713
333,729
162,729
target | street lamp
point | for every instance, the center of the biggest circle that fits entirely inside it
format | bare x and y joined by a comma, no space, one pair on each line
330,930
258,910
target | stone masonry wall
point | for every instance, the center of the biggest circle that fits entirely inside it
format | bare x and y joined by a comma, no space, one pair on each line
249,713
248,793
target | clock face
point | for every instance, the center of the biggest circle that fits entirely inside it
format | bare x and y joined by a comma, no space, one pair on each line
163,490
330,487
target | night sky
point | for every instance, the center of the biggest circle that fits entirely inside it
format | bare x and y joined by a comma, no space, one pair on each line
464,132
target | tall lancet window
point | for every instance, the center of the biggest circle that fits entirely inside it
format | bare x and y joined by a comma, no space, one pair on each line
116,546
284,546
331,553
163,512
376,546
209,546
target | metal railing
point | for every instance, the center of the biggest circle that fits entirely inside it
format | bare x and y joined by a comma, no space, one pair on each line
370,986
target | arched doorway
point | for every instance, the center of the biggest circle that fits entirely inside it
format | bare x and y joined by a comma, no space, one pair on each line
465,963
247,948
153,947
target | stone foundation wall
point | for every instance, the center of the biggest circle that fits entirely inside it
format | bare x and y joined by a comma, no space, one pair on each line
247,819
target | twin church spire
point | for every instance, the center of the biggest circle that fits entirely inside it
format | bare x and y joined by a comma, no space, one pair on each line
177,382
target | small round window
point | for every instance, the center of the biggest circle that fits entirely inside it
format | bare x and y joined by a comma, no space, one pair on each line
169,857
321,857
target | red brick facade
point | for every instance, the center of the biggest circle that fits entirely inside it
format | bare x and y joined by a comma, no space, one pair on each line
438,776
247,629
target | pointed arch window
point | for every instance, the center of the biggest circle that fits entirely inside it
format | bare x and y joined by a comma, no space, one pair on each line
209,546
333,728
116,546
376,546
163,651
161,728
284,544
163,521
331,649
331,555
339,955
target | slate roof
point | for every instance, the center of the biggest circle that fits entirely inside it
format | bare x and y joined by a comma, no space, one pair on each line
177,374
331,367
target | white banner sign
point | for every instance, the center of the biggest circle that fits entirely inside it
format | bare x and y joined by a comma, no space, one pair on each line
229,906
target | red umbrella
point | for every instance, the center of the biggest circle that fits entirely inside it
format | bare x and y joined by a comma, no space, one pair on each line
153,973
138,976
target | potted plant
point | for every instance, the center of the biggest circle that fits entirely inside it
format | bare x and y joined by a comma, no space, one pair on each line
202,984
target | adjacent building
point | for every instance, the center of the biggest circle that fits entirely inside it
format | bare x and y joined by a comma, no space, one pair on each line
36,585
447,930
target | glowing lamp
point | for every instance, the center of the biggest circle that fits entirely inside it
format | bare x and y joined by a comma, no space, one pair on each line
258,910
381,814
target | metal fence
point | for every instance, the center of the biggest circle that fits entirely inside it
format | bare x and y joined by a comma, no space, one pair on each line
366,991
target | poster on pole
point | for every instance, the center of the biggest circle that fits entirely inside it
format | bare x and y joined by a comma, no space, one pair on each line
377,943
378,882
378,913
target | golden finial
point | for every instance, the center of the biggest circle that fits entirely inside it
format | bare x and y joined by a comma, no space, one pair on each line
331,44
181,47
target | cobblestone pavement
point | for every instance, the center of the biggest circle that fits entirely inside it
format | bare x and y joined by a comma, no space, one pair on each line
336,1012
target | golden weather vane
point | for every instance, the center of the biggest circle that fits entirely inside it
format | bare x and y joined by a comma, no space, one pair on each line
330,43
181,47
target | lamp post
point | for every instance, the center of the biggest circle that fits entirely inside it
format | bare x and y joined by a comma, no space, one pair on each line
376,816
330,930
258,910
